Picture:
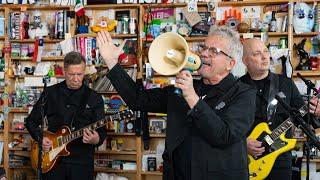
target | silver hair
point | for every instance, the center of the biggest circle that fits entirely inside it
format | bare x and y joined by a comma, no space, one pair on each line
234,48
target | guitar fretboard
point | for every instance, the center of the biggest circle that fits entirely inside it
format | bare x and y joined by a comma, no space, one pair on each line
79,133
287,124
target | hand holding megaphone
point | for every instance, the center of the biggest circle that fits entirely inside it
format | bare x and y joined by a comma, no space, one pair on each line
169,54
107,49
184,81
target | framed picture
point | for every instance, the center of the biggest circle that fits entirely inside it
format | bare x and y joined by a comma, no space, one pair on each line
157,125
114,145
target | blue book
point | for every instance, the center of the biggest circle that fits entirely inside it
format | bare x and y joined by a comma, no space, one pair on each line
1,25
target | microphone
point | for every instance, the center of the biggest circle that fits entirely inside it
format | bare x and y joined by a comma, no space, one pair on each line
279,96
309,84
297,120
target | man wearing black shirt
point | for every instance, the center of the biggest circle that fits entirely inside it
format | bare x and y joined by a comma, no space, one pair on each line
73,104
207,126
256,57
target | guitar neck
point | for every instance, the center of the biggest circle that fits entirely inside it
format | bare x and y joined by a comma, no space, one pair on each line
79,133
287,124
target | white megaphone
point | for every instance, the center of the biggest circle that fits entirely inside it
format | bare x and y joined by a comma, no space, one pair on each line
169,53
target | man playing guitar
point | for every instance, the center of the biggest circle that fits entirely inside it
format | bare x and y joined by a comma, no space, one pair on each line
73,104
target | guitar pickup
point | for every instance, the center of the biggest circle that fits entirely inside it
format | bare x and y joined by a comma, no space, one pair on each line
268,140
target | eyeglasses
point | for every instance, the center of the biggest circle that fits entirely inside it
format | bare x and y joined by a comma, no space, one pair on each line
260,53
213,51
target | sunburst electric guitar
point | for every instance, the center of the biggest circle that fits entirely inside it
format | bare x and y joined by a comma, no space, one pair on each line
275,144
63,136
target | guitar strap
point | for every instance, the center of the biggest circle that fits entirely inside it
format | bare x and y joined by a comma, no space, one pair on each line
273,90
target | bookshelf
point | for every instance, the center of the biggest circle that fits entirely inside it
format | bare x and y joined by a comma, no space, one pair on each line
134,144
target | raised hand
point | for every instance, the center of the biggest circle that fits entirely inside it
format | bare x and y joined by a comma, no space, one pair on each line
107,49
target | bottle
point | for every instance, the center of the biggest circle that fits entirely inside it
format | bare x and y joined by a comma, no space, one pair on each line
132,25
273,22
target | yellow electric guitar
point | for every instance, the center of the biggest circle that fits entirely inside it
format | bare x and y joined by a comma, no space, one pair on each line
275,144
63,136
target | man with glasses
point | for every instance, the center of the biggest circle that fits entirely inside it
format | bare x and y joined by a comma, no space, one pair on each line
256,57
74,104
207,125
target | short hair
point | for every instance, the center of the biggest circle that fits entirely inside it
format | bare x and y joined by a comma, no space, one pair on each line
234,45
235,49
73,58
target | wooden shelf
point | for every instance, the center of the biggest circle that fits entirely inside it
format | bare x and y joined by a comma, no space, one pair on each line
117,152
19,110
252,3
170,5
33,40
272,34
19,131
1,37
306,34
124,66
57,58
18,149
154,135
120,134
306,73
21,167
154,173
112,35
18,7
312,160
24,76
188,39
156,114
111,6
104,169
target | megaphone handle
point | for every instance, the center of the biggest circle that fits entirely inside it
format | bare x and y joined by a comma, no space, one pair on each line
178,91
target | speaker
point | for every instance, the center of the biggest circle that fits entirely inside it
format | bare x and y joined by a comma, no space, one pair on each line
169,54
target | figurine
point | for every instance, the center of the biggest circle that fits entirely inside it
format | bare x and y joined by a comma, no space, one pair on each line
304,63
37,28
105,24
303,18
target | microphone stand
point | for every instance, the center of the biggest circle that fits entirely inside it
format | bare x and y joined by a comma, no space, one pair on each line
310,86
301,124
43,100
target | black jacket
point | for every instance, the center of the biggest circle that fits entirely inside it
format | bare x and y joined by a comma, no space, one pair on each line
213,132
293,99
76,108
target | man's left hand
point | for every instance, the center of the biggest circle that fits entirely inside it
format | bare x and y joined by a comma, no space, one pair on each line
90,137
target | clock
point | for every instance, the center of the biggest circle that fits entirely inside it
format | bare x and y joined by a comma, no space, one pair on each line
130,126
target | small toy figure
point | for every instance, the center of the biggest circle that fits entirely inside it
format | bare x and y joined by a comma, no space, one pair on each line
82,24
105,24
303,18
37,28
304,63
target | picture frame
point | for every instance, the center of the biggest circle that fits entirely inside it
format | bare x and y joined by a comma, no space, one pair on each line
114,145
157,125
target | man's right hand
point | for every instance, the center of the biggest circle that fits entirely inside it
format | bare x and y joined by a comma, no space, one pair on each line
254,147
46,144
